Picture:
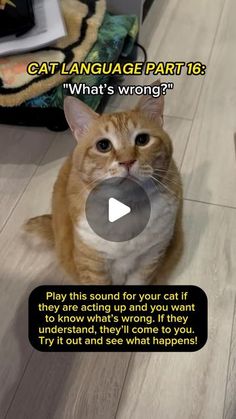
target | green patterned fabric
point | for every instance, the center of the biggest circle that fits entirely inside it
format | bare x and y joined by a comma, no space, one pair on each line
116,38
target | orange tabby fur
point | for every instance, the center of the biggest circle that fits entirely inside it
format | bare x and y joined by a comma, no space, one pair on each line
86,167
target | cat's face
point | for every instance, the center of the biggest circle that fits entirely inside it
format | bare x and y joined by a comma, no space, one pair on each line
120,144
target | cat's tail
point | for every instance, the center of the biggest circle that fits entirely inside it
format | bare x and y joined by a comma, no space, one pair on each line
39,230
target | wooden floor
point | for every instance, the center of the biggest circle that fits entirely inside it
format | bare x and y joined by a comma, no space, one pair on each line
201,117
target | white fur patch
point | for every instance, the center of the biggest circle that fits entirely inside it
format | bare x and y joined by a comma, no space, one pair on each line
126,259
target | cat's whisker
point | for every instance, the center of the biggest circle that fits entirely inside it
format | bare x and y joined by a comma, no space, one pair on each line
171,180
169,175
147,166
165,171
165,187
145,173
166,175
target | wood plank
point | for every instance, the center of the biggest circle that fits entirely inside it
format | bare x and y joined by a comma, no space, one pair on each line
178,130
191,385
230,401
21,150
23,268
65,386
181,32
209,164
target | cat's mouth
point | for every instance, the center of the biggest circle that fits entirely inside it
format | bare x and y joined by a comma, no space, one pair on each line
136,172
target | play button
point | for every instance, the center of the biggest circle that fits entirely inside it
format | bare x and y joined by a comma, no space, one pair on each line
118,209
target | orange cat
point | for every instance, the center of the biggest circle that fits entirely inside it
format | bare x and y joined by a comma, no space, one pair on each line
115,145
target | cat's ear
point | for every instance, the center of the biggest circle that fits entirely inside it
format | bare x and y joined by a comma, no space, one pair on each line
78,115
152,107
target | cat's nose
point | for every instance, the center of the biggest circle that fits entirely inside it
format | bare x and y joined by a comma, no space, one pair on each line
127,164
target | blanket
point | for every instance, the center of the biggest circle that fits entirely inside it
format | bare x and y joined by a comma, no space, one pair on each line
83,19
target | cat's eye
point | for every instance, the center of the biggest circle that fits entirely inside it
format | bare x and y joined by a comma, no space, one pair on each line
142,139
104,145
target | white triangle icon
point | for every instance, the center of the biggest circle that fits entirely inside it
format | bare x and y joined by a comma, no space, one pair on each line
117,210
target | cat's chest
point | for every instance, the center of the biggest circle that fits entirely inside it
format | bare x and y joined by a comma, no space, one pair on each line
149,244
